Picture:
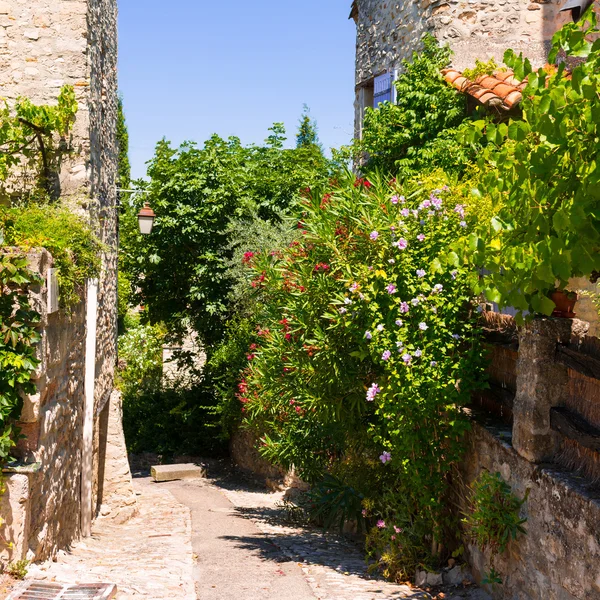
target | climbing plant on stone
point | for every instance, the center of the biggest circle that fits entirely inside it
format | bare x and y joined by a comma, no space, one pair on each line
542,175
33,140
18,339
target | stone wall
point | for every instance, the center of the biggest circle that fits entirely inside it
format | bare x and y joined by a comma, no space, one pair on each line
390,31
559,557
45,44
544,443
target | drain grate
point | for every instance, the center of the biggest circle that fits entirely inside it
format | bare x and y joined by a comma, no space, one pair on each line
36,590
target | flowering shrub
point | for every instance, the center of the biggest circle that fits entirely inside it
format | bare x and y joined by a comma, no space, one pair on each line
366,342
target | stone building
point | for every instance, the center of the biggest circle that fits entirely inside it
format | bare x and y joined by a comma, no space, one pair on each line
389,31
74,462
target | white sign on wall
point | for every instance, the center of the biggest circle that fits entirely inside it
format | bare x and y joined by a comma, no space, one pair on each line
52,286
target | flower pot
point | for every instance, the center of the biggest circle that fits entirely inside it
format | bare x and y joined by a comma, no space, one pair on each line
565,303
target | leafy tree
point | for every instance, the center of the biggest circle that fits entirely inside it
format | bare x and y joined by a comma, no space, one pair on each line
181,270
541,175
419,131
307,135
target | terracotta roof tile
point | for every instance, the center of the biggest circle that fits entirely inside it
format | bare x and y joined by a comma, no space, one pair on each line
499,90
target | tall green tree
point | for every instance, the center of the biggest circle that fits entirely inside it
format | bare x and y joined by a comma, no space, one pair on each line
181,269
307,136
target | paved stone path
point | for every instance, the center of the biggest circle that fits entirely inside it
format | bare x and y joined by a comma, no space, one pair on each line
221,539
148,557
332,565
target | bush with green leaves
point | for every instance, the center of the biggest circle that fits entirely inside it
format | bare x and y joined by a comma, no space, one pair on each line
540,172
140,358
73,245
363,335
419,131
181,270
494,516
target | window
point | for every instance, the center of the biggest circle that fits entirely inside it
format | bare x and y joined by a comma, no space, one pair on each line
383,89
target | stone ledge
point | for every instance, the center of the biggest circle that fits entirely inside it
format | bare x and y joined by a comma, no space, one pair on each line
174,472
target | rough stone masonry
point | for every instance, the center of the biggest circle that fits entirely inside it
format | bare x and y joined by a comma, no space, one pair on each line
45,44
389,31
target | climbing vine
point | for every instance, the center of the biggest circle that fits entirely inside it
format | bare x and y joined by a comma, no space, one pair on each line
34,139
18,339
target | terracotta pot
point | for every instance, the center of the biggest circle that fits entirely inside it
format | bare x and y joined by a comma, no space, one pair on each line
565,303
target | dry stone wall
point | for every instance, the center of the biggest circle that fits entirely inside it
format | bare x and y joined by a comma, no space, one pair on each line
559,557
44,45
390,31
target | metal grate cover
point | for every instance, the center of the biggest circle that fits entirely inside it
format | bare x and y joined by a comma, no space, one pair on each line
37,590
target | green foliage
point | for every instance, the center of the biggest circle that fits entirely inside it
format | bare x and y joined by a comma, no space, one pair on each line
364,336
307,136
17,569
124,300
181,270
124,175
333,503
494,520
173,419
33,140
419,131
481,68
140,358
18,340
541,174
75,249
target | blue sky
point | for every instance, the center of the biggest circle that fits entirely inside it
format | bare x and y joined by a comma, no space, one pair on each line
190,68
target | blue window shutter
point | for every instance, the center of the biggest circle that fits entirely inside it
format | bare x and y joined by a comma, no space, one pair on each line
382,89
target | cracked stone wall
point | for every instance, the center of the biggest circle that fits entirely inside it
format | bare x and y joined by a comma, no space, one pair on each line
45,44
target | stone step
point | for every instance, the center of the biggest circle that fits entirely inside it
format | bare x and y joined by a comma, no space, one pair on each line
173,472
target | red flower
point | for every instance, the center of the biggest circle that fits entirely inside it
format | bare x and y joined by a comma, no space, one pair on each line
321,267
248,256
363,182
325,201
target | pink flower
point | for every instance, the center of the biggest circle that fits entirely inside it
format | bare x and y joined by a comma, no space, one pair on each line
405,212
395,199
401,244
421,237
386,355
391,289
397,529
381,524
374,235
404,308
385,457
372,392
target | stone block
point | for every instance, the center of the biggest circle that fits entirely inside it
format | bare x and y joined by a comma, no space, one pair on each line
174,472
541,384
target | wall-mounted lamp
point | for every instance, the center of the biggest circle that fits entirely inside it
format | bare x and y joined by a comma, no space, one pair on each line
146,218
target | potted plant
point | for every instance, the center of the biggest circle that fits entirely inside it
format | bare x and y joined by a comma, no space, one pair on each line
565,303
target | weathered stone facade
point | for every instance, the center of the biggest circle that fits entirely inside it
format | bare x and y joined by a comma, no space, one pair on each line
550,368
388,32
45,44
559,557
